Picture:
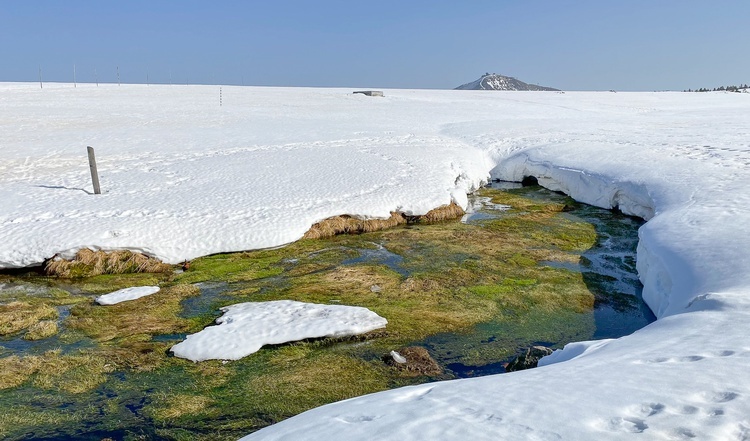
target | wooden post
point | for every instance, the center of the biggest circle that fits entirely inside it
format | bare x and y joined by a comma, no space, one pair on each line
94,173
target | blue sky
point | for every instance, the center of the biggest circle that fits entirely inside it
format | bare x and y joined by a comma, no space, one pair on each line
568,44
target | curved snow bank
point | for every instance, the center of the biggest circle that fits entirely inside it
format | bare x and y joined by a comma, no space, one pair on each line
581,185
683,376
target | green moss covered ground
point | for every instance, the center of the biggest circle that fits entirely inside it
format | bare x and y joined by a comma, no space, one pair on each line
106,371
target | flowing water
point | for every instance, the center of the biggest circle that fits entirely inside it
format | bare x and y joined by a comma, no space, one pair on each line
426,274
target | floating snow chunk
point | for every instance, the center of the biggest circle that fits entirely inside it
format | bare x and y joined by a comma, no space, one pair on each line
123,295
246,327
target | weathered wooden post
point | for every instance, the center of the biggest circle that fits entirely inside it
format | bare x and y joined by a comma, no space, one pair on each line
94,173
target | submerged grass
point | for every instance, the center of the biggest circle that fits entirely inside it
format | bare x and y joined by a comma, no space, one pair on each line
151,315
30,416
76,373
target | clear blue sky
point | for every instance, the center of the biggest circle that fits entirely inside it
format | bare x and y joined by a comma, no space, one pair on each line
568,44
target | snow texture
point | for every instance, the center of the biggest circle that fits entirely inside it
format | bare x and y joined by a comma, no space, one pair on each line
184,177
125,294
245,327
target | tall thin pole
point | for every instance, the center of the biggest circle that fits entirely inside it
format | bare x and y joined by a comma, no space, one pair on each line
96,78
40,78
94,173
118,75
74,75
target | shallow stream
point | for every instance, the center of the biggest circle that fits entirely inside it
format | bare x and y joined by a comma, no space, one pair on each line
524,267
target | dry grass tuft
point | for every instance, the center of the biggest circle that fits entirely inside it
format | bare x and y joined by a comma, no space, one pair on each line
17,316
441,214
351,225
418,362
87,263
14,370
41,330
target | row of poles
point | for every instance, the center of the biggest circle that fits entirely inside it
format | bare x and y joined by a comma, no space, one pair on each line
96,78
75,83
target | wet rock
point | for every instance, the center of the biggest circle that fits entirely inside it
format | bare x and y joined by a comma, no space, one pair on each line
413,361
528,359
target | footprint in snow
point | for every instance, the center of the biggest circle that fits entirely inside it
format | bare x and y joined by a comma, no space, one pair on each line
626,425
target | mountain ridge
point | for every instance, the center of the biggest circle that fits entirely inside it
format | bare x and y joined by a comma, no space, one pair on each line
495,81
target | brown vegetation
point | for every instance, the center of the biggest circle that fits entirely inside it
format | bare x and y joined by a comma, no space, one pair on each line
351,225
346,224
439,214
87,263
418,362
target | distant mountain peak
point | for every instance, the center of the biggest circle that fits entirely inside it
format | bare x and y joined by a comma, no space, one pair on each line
494,81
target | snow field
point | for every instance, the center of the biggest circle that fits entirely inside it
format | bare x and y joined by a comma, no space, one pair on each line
183,177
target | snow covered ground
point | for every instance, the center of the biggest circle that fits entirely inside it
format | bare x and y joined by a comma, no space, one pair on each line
245,327
183,177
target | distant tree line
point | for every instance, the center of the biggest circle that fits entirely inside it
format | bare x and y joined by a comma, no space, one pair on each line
720,89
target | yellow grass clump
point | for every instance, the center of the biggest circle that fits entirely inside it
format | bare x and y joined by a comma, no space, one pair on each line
441,214
351,225
14,370
17,316
346,224
41,330
87,263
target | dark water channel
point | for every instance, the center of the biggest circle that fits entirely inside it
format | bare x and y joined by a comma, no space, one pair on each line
608,269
